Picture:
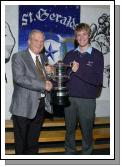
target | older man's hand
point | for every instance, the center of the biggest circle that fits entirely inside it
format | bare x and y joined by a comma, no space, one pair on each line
48,85
49,69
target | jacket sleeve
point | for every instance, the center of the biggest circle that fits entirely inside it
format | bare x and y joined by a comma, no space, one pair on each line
24,78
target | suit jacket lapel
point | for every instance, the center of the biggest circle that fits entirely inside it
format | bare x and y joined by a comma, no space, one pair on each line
43,60
30,62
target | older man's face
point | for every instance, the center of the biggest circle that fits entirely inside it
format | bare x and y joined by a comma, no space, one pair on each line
36,42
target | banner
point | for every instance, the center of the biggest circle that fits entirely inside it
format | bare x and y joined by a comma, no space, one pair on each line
56,21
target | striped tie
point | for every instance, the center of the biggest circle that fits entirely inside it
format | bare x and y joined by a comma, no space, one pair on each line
40,69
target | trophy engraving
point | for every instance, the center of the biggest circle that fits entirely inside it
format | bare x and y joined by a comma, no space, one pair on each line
60,92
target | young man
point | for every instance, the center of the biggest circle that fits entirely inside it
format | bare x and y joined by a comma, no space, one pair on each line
83,87
28,100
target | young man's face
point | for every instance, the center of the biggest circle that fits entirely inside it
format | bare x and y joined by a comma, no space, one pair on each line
82,38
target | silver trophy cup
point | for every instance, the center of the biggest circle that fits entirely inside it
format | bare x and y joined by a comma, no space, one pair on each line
60,92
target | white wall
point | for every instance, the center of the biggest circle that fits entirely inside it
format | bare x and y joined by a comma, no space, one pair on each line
89,14
11,16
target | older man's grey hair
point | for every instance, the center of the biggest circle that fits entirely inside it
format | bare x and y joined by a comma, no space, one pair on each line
35,31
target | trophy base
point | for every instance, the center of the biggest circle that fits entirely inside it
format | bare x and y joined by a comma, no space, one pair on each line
60,98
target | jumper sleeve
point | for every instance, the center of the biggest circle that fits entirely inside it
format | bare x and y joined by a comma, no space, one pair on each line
92,75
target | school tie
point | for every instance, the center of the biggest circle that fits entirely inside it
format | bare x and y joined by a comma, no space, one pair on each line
40,69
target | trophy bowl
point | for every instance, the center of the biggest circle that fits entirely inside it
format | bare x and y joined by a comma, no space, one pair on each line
60,92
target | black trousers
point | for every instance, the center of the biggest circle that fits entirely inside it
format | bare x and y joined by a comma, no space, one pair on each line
27,131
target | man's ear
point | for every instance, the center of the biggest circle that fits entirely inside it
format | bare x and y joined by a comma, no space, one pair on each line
28,41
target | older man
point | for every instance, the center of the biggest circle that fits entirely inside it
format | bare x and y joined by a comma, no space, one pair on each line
28,100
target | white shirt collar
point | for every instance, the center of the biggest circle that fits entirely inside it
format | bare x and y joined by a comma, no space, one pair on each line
33,55
89,49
